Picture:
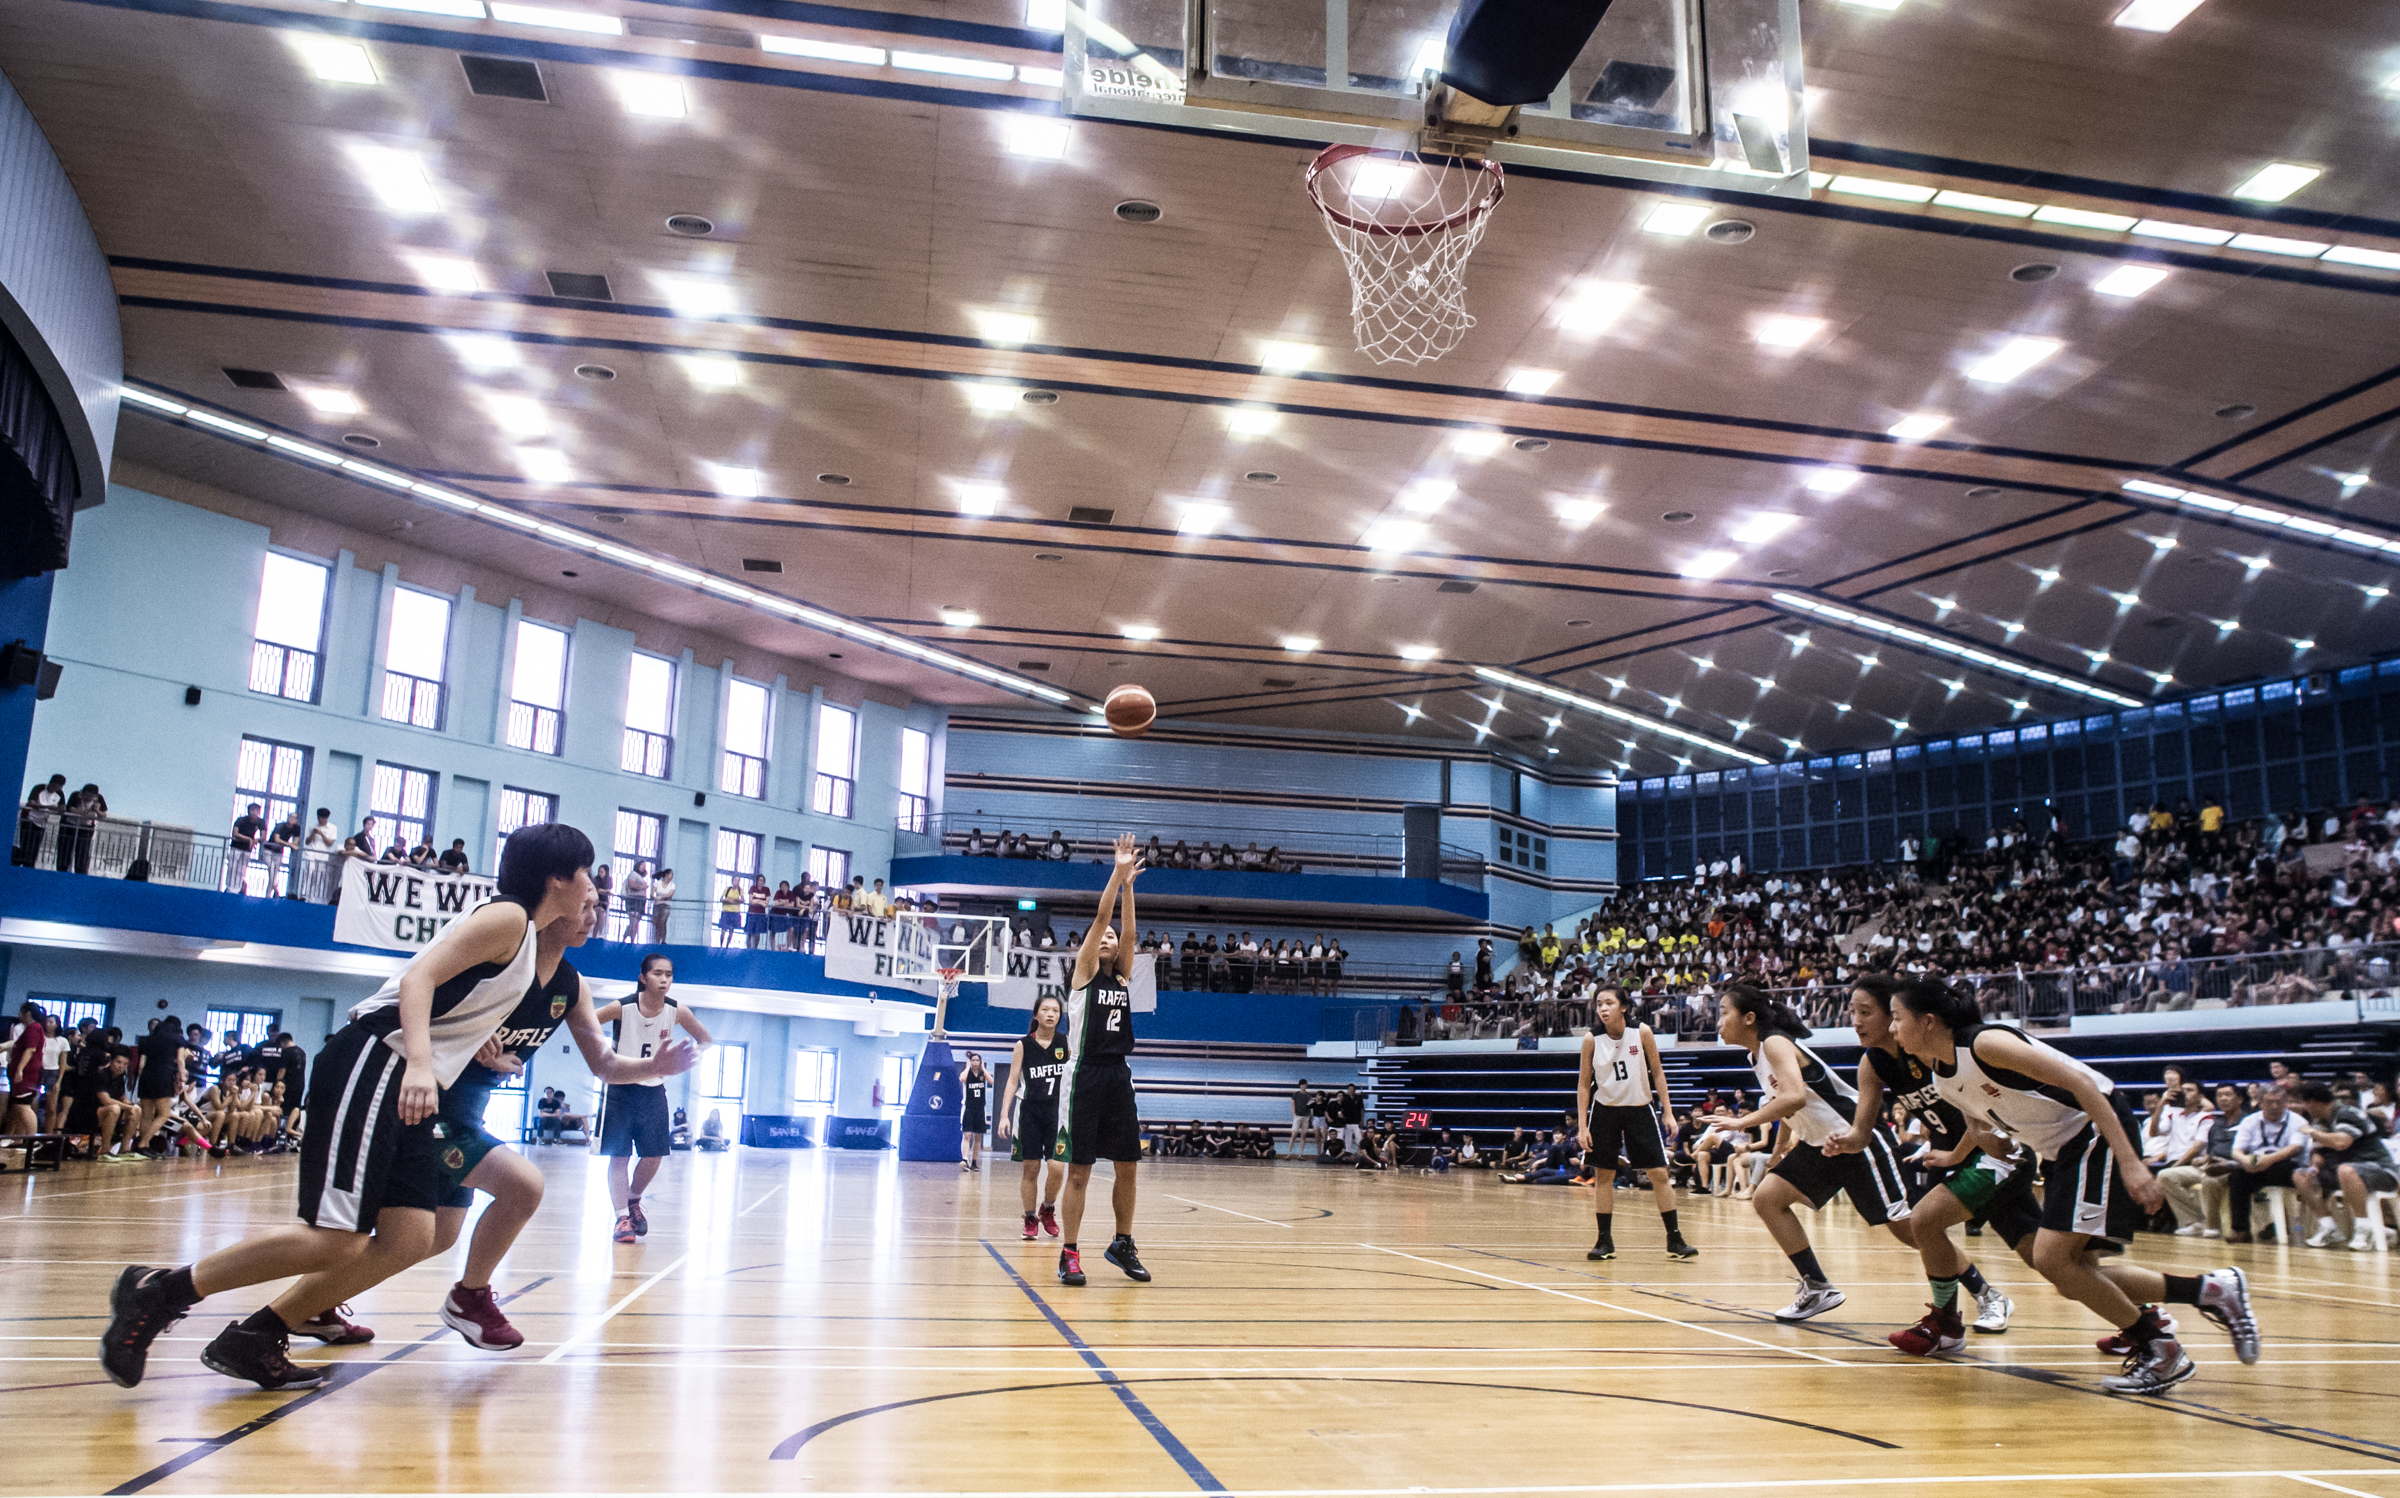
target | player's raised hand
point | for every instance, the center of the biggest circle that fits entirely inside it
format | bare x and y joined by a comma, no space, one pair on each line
1129,856
676,1057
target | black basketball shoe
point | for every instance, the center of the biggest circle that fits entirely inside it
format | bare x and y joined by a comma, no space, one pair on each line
142,1304
1120,1253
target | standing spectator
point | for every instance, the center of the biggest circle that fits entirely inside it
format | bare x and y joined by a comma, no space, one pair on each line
248,830
635,897
43,806
662,896
366,837
82,818
321,838
604,885
25,1072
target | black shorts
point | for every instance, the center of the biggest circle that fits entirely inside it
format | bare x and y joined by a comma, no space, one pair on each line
1627,1129
634,1121
971,1119
2084,1191
1104,1122
1036,1137
1871,1177
356,1157
1998,1190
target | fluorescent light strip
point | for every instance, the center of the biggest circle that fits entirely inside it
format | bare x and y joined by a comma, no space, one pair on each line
1561,695
556,20
801,46
2265,515
596,546
956,67
1872,624
1877,187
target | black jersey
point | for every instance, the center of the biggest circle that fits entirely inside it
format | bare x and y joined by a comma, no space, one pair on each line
1909,1081
523,1031
1045,1066
978,1089
1104,1018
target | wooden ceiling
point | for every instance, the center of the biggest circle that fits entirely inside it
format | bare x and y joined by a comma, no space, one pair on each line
864,220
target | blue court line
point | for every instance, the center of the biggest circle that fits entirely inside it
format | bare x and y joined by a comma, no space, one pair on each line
1201,1477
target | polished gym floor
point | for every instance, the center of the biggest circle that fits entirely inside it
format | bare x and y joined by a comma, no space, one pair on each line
826,1322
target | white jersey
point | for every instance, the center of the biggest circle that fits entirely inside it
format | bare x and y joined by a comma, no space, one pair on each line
1832,1103
640,1036
2044,1117
466,1010
1620,1072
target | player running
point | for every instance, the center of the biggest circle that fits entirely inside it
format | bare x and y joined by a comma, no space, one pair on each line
1102,1120
2075,1119
634,1115
1976,1174
1036,1065
1620,1076
1800,1091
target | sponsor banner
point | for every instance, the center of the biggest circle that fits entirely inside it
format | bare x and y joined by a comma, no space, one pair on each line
864,949
402,909
1029,973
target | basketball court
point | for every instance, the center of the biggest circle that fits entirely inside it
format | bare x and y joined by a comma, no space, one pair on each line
837,1323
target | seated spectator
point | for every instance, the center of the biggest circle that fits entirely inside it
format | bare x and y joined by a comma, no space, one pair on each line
712,1132
976,846
2269,1148
1056,850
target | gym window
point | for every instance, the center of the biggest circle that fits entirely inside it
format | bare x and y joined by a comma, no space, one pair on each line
290,631
737,862
402,800
830,867
835,786
744,772
916,773
815,1073
520,808
413,658
640,835
537,688
649,717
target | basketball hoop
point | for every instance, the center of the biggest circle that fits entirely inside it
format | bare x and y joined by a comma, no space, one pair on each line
946,989
1405,225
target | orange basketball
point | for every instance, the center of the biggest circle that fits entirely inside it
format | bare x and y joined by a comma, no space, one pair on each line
1131,710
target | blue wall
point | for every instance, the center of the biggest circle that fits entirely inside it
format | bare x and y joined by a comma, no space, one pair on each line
164,596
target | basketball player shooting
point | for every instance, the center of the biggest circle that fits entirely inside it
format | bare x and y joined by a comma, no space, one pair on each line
1102,1120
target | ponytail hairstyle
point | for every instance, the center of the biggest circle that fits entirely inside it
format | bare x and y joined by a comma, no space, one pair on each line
1933,999
1877,986
1772,1018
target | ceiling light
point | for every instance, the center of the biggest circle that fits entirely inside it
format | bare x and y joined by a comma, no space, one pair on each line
1704,663
2012,359
1046,15
1786,332
1201,519
2258,564
445,272
2276,181
801,46
1044,78
1418,653
979,499
1917,427
2163,678
557,20
2353,482
1709,564
1373,180
1138,631
695,296
2161,228
1831,480
1593,705
2160,543
2298,645
960,618
1755,530
1875,4
397,178
2378,591
2155,15
1392,535
1942,606
1840,708
1427,495
713,373
653,95
1285,358
328,402
1851,618
2013,628
2083,218
994,397
734,480
2048,575
1037,137
1003,327
956,67
1299,644
1593,305
544,465
1869,662
1250,421
2097,657
1678,219
334,61
471,10
1876,187
2129,280
1531,381
1792,744
518,415
2124,600
2350,254
1477,444
1976,202
2276,244
1578,513
2227,626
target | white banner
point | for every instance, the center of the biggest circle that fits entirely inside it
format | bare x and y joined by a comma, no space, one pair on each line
1029,973
863,949
399,908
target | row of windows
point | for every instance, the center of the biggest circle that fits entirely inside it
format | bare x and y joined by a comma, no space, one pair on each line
286,661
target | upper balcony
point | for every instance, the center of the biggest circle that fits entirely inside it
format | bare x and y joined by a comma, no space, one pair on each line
1231,870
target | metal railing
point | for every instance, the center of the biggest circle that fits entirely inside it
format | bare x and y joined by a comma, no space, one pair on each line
155,853
1294,850
283,671
532,727
412,699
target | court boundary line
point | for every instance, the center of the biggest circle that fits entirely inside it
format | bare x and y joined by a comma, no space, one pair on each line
2334,1487
610,1314
1213,1207
1798,1352
1168,1441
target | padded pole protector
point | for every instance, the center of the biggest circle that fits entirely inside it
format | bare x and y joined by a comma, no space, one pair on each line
1516,51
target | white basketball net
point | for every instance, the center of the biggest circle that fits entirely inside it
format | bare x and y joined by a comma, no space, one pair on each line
1405,225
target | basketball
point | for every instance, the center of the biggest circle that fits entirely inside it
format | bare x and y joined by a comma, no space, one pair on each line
1131,710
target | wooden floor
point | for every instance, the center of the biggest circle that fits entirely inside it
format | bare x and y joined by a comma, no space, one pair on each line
826,1322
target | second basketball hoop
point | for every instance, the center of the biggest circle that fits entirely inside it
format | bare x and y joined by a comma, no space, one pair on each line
1406,224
